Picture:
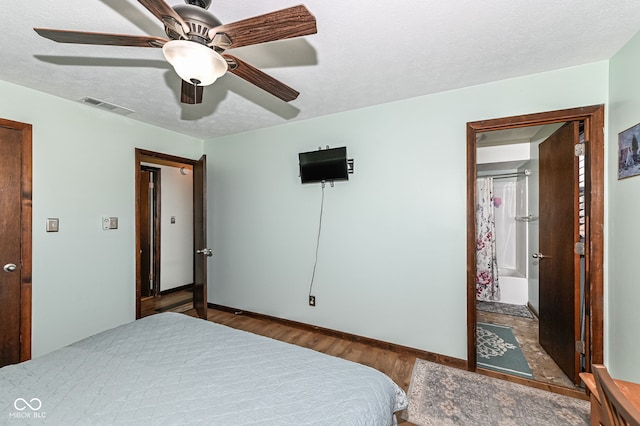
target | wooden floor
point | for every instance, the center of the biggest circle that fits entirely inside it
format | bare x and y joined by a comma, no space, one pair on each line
178,301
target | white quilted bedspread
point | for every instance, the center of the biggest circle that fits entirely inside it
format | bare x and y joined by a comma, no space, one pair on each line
172,369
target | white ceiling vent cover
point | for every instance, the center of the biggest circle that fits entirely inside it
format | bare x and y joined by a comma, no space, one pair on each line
107,106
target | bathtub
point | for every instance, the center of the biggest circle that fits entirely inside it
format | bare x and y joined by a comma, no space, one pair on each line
513,287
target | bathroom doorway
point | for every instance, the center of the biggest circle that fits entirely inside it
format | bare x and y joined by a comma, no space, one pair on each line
522,267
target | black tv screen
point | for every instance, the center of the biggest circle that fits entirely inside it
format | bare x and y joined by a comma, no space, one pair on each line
324,165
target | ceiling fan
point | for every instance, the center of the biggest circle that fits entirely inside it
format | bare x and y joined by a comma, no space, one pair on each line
197,42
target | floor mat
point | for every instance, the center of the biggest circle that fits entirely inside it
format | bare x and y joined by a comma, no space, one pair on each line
504,308
499,350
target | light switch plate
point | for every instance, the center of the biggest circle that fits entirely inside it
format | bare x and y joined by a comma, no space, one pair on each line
109,222
52,224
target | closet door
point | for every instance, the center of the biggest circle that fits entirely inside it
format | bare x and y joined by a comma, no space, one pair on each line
15,242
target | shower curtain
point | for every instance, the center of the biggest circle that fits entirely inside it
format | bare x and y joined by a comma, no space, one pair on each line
487,286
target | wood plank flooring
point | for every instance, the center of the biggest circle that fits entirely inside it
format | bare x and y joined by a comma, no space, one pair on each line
178,301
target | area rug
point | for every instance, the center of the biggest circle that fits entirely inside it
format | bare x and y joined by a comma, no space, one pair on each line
499,350
445,396
504,308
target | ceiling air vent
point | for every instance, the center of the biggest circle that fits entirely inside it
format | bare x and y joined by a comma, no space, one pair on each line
107,106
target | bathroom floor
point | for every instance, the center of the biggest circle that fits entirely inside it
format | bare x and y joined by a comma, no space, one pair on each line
543,367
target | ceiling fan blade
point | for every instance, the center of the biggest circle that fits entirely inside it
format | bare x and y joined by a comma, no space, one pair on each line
190,93
161,10
286,23
260,79
83,37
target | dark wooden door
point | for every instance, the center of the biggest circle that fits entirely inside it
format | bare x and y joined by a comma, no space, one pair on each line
146,235
200,237
15,242
559,269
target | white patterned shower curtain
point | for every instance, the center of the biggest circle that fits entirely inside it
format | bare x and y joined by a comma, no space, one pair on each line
487,286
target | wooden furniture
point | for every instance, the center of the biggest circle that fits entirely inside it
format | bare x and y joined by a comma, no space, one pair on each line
620,411
628,390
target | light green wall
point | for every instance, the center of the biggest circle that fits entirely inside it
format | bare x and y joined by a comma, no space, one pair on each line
392,254
392,258
83,169
623,292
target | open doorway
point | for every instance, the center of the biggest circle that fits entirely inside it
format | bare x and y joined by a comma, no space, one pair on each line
171,248
585,331
166,237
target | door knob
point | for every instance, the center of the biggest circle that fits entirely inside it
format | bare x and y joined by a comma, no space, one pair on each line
538,256
206,251
10,267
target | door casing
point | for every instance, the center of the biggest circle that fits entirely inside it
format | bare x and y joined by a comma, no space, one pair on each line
25,267
593,117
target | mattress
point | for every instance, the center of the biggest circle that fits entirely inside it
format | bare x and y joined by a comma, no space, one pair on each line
173,369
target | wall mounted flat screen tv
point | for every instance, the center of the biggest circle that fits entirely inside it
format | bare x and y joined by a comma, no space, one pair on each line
324,165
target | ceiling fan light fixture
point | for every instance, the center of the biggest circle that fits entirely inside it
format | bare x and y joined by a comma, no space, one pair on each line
194,62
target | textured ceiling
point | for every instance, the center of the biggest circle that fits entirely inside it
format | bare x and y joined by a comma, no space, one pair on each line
365,53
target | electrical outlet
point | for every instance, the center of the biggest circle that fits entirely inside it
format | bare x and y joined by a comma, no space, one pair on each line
312,301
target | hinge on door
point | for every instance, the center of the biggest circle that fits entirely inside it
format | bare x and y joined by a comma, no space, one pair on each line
580,346
151,185
579,149
579,248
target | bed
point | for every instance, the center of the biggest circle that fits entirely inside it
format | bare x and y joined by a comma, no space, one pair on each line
173,369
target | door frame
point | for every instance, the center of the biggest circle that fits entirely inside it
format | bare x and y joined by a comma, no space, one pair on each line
593,117
145,156
26,234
